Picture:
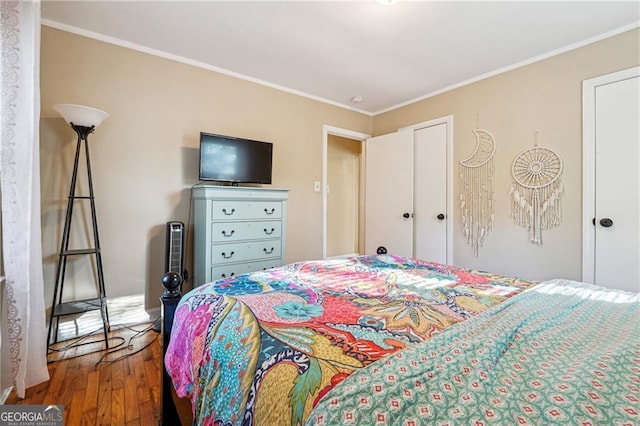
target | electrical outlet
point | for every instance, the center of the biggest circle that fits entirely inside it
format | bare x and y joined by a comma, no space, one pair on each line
316,186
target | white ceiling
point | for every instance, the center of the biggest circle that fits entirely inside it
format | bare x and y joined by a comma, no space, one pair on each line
335,50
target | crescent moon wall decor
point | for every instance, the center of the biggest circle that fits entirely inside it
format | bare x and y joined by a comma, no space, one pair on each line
477,194
536,191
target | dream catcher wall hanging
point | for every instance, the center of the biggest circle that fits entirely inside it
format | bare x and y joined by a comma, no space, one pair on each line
536,190
477,195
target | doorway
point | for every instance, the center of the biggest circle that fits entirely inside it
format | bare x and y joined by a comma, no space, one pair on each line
344,183
342,192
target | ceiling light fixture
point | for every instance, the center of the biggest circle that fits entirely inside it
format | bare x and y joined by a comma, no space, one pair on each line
386,2
357,99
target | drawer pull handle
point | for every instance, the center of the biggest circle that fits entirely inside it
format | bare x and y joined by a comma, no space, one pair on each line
224,232
225,255
269,251
225,275
269,212
230,213
267,232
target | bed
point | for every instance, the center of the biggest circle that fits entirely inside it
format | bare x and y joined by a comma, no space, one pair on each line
391,340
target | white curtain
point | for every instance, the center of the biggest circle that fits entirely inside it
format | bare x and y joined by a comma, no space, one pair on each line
24,308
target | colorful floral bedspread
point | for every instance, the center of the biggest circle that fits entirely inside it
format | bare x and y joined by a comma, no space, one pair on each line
264,348
559,353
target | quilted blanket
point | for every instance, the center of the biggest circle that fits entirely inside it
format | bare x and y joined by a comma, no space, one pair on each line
561,352
264,348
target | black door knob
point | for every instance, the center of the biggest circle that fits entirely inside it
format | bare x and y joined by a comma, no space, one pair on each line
440,216
406,215
606,222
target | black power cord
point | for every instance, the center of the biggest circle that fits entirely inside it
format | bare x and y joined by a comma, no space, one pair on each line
80,341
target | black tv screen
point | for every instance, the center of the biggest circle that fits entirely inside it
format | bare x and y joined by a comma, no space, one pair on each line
237,160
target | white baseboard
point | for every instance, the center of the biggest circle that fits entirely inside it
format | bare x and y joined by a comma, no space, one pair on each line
5,394
153,312
342,256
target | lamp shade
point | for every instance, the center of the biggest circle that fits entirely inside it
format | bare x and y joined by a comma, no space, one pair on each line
81,115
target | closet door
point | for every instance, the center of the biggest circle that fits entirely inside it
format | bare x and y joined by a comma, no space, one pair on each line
611,242
430,193
617,257
389,193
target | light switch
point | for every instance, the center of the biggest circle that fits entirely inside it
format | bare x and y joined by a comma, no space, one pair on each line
316,186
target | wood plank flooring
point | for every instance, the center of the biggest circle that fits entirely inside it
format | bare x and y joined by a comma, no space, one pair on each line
114,391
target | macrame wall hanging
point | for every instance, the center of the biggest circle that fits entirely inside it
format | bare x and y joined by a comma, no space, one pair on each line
477,195
536,191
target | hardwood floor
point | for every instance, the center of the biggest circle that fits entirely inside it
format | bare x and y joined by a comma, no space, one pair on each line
111,391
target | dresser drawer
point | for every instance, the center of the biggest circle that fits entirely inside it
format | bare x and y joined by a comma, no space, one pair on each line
222,232
240,252
227,271
243,210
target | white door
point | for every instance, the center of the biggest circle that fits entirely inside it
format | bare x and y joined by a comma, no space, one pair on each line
430,193
389,193
614,122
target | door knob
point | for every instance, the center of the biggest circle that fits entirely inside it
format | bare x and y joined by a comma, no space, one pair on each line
440,216
606,222
406,215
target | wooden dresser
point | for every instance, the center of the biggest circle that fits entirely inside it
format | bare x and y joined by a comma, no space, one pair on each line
237,230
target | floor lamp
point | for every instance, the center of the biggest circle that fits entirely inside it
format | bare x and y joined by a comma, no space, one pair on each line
83,120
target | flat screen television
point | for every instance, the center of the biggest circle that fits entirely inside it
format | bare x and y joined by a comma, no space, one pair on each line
235,160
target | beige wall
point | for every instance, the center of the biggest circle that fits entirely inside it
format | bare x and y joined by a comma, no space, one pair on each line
145,156
546,97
